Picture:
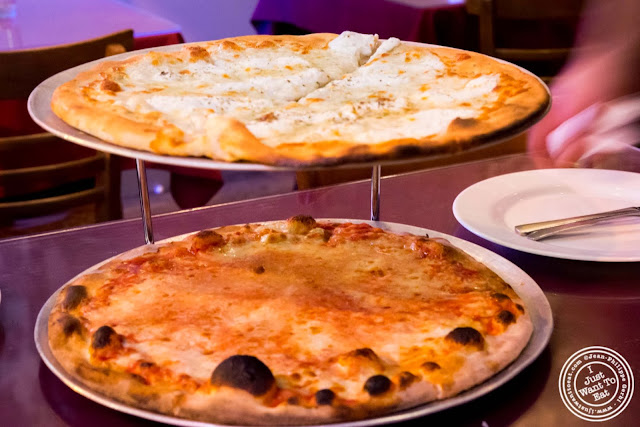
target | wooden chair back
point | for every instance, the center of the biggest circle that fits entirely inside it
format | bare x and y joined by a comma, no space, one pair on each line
22,70
41,174
537,34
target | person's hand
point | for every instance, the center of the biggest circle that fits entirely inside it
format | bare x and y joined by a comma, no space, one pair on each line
580,96
601,135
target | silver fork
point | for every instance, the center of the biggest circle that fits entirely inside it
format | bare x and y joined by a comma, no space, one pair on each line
540,230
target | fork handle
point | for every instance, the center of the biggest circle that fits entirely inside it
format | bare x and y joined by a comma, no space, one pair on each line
539,230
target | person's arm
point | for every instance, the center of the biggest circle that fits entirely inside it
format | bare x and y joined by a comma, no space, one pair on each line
605,66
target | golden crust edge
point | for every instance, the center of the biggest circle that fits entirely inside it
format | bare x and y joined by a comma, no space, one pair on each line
242,408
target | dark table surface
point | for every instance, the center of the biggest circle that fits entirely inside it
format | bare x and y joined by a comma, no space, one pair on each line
594,304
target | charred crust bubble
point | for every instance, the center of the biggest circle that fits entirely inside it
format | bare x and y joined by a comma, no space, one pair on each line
366,353
73,296
325,396
247,373
70,325
506,317
430,366
466,336
520,307
377,385
258,270
103,336
500,297
406,379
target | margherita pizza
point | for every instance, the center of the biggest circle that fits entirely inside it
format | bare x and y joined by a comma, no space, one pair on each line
287,322
319,99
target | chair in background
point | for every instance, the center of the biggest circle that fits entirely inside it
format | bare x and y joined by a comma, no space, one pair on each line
40,174
536,34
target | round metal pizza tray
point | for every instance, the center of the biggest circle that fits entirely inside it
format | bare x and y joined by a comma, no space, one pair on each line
39,106
533,297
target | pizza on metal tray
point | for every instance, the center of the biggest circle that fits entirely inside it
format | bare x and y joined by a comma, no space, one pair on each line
287,322
319,99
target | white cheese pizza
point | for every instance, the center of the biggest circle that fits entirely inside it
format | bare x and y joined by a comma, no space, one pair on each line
319,99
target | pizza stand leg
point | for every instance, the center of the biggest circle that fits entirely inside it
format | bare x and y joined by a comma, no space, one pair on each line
145,206
375,193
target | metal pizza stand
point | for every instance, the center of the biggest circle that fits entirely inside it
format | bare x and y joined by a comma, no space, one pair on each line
39,106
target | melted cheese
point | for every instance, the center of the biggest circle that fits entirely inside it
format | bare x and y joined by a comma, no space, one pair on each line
311,304
356,90
382,101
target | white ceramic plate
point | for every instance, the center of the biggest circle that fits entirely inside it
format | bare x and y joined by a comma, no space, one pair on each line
534,299
492,208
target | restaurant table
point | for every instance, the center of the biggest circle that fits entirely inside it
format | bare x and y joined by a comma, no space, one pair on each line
441,22
594,304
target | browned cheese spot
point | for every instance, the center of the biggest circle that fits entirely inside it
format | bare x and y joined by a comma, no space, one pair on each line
227,44
110,86
266,44
206,239
197,53
269,117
